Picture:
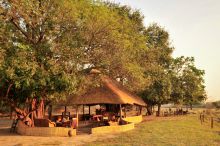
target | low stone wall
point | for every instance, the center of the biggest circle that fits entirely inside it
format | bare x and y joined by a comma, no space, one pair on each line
112,129
119,128
134,119
44,131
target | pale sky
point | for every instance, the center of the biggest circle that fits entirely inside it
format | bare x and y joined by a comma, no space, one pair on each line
194,28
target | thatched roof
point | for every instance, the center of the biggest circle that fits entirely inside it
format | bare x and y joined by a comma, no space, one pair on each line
110,93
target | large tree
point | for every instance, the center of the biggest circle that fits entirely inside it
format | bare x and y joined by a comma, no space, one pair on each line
39,61
47,47
113,43
187,80
157,63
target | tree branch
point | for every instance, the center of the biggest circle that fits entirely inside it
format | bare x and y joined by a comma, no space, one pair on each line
22,31
8,90
33,110
41,36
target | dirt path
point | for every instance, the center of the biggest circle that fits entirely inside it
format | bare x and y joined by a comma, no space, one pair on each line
17,140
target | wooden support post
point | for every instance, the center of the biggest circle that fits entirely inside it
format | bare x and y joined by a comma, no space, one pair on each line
65,109
140,110
212,122
64,113
200,117
125,112
89,110
83,112
11,112
120,112
77,117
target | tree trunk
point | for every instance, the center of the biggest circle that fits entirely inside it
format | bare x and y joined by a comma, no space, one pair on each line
50,109
23,113
159,108
149,110
45,108
40,109
33,106
18,110
33,114
27,106
191,106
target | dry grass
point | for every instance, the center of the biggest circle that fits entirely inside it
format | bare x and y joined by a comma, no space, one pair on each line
180,131
164,131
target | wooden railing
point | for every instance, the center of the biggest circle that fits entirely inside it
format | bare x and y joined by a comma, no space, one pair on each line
203,117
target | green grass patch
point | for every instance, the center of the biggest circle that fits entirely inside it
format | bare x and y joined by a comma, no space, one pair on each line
181,131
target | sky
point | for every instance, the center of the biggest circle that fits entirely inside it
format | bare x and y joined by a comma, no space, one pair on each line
194,28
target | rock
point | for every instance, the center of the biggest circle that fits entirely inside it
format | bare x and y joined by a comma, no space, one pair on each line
70,133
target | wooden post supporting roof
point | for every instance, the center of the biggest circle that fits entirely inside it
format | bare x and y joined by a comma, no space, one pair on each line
77,117
140,110
83,113
125,115
65,109
120,112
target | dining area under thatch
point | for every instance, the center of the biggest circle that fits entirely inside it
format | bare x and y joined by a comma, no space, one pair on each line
105,105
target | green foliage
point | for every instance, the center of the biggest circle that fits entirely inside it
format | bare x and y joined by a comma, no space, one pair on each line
46,47
216,104
113,44
188,82
48,44
157,62
37,59
175,80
